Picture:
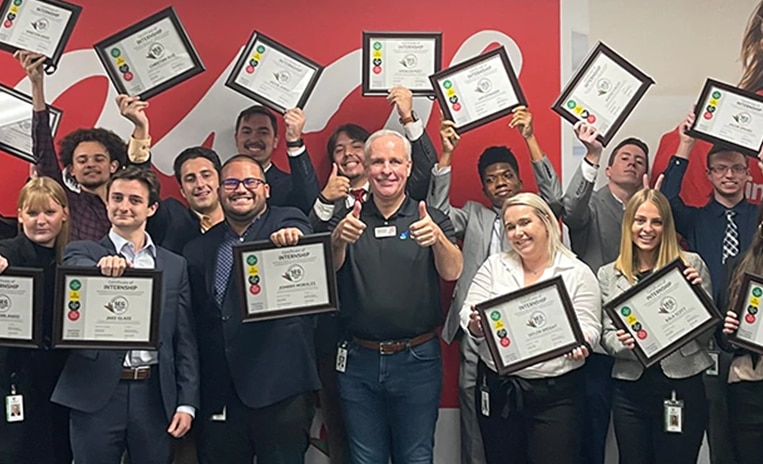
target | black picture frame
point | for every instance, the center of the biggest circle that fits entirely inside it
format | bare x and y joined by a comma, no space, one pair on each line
242,61
477,60
368,36
485,307
742,306
323,239
699,113
84,273
676,265
51,63
599,49
101,50
37,317
55,117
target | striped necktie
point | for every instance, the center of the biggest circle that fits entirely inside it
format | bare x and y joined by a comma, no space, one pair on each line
731,237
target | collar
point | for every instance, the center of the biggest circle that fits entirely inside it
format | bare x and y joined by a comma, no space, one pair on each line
407,208
719,210
513,263
232,234
267,168
205,222
120,242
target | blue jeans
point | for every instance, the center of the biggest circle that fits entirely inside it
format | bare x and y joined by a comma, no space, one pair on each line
390,403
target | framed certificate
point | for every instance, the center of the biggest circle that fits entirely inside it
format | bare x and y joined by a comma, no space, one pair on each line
149,57
479,90
663,313
749,335
99,312
16,123
530,326
40,26
603,92
276,282
21,307
400,58
729,116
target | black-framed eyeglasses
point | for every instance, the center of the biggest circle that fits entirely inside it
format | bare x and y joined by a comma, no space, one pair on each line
250,183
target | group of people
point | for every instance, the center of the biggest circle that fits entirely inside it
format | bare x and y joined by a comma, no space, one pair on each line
250,389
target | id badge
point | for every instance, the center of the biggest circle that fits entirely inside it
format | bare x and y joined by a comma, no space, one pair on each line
385,232
713,370
341,357
221,417
14,407
485,398
674,414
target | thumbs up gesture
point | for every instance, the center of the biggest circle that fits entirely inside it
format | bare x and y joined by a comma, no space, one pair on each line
351,227
425,231
337,186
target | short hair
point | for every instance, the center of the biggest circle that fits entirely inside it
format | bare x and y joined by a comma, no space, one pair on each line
257,109
493,155
721,148
630,141
353,131
547,217
387,133
146,177
116,148
245,158
193,153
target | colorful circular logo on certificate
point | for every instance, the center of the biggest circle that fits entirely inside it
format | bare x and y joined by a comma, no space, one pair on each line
5,303
377,45
537,320
757,292
255,289
495,315
251,260
502,333
128,76
155,51
17,2
752,310
75,284
409,61
505,342
750,318
447,84
73,315
115,52
254,280
625,311
295,273
716,95
260,49
74,305
571,104
641,334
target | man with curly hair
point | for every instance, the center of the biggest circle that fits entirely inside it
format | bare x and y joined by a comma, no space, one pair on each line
89,156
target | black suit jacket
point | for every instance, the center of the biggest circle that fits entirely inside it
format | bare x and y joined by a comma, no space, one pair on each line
298,189
91,376
265,362
173,225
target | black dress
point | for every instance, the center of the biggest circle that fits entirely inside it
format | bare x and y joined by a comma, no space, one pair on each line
43,436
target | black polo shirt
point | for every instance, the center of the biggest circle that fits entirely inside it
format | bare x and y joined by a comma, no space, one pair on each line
389,288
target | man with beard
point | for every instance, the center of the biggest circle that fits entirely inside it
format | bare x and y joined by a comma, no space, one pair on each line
257,379
89,156
482,232
720,231
348,181
257,136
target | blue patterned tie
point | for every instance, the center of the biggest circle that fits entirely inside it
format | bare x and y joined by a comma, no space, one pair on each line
224,267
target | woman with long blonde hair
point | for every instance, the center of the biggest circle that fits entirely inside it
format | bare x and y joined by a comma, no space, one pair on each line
648,243
42,436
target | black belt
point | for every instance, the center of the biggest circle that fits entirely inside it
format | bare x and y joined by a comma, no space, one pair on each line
135,373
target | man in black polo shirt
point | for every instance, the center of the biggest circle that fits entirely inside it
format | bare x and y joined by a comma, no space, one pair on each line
389,289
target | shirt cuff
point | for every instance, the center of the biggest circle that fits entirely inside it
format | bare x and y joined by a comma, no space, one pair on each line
589,171
438,171
296,152
190,410
323,211
414,130
139,150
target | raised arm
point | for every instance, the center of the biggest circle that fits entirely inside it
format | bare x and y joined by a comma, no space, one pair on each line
439,192
673,178
305,187
577,199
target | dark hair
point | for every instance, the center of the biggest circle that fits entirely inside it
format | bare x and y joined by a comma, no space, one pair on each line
193,153
630,141
353,131
235,158
720,148
146,177
116,148
495,155
257,109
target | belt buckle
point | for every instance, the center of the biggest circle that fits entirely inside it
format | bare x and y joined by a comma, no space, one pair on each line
389,347
137,371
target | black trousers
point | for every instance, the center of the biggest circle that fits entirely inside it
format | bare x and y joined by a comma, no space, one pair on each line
745,401
638,412
537,421
276,434
598,407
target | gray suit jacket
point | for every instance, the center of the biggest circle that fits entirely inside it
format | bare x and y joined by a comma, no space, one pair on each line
474,226
90,376
689,360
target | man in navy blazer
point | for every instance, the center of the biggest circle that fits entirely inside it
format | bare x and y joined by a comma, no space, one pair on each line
135,400
257,136
258,378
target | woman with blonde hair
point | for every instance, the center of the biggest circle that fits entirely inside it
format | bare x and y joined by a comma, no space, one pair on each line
535,414
648,243
42,437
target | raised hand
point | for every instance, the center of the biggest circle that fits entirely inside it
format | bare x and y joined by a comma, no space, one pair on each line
350,228
337,187
425,231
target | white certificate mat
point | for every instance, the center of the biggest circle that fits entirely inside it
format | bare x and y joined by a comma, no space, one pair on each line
16,308
16,123
38,26
391,59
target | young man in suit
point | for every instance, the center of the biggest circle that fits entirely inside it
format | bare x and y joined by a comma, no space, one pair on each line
134,400
481,229
257,136
258,379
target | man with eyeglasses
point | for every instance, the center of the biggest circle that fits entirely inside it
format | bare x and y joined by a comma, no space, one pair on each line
257,379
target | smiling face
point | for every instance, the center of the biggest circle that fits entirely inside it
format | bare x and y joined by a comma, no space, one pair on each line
647,227
500,182
348,156
256,137
388,167
526,232
92,165
728,172
242,203
628,167
42,220
128,205
199,183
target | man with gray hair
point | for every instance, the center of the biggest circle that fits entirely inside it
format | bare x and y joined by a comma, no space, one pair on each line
389,289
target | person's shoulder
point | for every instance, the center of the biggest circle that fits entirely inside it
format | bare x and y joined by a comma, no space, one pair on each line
211,237
286,212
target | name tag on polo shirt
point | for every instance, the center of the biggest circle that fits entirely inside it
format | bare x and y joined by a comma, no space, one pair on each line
384,232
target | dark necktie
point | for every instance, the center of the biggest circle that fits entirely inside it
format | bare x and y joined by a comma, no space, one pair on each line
359,194
731,237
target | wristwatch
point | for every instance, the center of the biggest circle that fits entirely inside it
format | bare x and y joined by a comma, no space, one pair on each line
412,118
296,144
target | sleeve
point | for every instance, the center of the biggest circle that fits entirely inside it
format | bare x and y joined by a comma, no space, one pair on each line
549,186
443,222
139,152
707,286
439,198
609,340
305,187
43,149
671,188
295,218
423,156
480,290
586,299
186,349
77,254
577,200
